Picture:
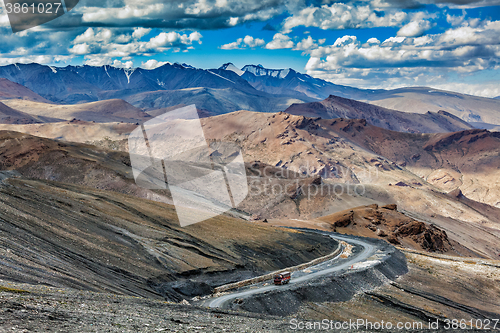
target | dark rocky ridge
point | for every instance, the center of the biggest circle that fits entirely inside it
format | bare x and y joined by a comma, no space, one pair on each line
338,107
72,236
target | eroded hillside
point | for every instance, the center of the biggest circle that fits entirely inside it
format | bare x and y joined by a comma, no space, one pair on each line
72,236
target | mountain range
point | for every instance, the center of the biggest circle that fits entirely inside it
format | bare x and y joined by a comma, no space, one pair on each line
411,99
73,216
223,90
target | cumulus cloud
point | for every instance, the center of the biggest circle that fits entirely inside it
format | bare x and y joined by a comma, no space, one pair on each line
152,64
140,32
419,3
233,46
80,49
456,46
39,59
122,44
340,16
217,14
307,44
415,28
280,41
241,43
174,14
253,42
462,50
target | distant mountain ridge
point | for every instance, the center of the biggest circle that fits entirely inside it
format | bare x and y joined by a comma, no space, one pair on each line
77,84
412,99
229,89
338,107
292,83
259,70
217,91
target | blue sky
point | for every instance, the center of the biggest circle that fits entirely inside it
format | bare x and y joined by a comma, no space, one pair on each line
453,45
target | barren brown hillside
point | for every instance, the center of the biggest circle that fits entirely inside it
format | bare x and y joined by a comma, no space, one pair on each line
349,155
320,167
10,116
415,122
65,235
101,112
468,160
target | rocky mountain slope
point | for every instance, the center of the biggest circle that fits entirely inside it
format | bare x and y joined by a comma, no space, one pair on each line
112,134
305,168
387,223
423,99
467,160
338,107
293,152
66,235
11,116
216,90
292,83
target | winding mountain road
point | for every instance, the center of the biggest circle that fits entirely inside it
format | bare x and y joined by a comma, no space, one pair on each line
325,268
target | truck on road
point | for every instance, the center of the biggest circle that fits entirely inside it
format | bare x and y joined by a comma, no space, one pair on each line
282,278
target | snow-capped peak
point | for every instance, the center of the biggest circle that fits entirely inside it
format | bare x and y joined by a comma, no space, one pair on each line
230,67
259,70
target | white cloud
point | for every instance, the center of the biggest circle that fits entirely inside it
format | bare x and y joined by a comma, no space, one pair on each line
253,42
194,14
456,20
96,60
140,32
392,40
241,43
415,28
373,40
120,64
122,44
152,64
463,50
89,36
39,59
232,46
280,41
344,16
306,44
80,49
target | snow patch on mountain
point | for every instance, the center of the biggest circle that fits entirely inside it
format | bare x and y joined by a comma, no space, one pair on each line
259,70
230,67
